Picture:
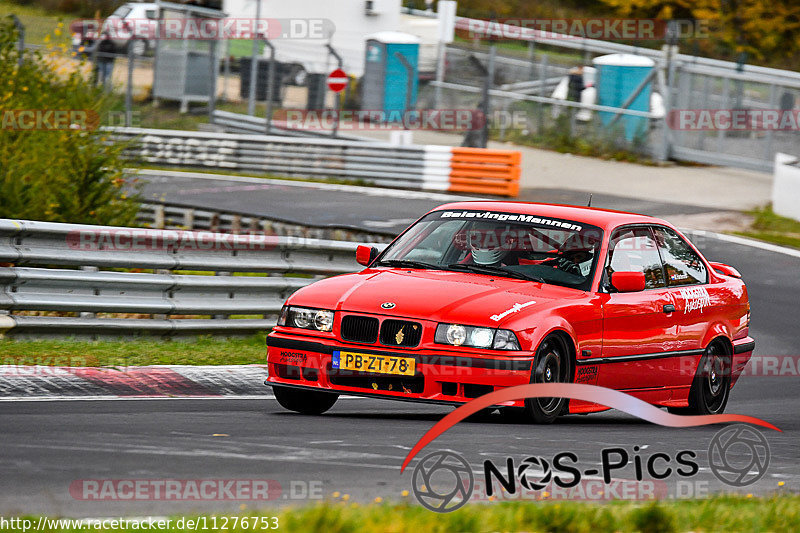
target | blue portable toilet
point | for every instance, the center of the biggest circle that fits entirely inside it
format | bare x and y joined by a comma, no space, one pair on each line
618,75
391,72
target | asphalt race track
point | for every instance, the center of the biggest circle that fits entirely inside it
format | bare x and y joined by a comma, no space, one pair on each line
367,208
357,448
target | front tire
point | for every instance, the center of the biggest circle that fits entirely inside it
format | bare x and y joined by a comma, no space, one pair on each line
552,364
307,402
711,386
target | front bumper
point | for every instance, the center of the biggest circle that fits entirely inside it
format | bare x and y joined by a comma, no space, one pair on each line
441,376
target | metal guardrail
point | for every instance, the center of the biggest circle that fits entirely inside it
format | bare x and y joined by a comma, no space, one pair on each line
167,301
240,123
176,216
428,167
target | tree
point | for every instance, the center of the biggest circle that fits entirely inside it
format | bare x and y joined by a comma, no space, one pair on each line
71,173
766,30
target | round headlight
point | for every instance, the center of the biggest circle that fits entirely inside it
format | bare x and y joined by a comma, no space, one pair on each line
302,318
323,320
481,337
456,335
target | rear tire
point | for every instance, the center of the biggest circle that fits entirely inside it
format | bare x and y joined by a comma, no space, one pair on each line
552,364
307,402
711,386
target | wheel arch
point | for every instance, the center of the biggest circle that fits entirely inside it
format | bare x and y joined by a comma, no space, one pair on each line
718,332
566,336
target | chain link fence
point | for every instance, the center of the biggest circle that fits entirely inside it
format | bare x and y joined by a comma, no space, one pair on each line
522,108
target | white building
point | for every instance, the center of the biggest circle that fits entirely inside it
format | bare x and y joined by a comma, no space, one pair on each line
350,21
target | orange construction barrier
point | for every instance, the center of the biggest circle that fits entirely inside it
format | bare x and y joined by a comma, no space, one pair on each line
485,171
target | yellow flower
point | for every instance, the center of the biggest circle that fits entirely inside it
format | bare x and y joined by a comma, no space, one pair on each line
57,32
47,38
24,89
378,499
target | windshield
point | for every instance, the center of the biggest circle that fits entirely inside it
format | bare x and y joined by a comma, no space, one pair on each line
548,250
122,11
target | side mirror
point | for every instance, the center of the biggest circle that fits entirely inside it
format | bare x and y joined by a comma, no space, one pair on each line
628,281
366,254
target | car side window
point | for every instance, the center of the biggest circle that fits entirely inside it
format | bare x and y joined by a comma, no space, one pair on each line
151,14
634,250
682,264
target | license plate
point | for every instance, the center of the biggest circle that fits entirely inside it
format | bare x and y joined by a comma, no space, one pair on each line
378,364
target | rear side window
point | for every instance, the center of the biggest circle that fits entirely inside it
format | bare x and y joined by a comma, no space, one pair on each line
682,264
634,250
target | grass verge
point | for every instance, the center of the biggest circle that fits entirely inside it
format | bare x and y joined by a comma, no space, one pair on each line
724,513
770,227
203,350
41,25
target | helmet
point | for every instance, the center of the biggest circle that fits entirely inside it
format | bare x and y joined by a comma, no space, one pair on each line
578,248
489,245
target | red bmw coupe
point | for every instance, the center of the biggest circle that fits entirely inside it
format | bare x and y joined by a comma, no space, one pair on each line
477,296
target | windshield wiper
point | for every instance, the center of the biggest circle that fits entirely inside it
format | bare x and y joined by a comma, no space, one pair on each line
489,269
408,263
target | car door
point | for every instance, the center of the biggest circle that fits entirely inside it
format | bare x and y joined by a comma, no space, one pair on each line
639,328
687,279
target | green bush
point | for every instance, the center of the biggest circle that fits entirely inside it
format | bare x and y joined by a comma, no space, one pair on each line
81,8
60,174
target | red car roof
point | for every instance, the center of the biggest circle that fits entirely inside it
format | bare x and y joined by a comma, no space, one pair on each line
604,218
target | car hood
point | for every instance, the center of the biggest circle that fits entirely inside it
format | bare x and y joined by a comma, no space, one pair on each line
438,295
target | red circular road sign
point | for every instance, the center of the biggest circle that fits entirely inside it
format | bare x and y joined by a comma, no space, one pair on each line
337,80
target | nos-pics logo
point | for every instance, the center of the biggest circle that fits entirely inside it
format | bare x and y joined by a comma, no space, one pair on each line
443,481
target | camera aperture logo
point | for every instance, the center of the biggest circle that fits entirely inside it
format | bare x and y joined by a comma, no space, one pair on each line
443,481
739,455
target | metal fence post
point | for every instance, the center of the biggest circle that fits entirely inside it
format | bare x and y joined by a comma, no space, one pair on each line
158,216
188,219
437,90
270,83
543,67
212,90
409,80
128,89
21,38
338,58
251,100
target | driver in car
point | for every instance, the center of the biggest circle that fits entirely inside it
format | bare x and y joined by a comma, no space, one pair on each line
490,246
